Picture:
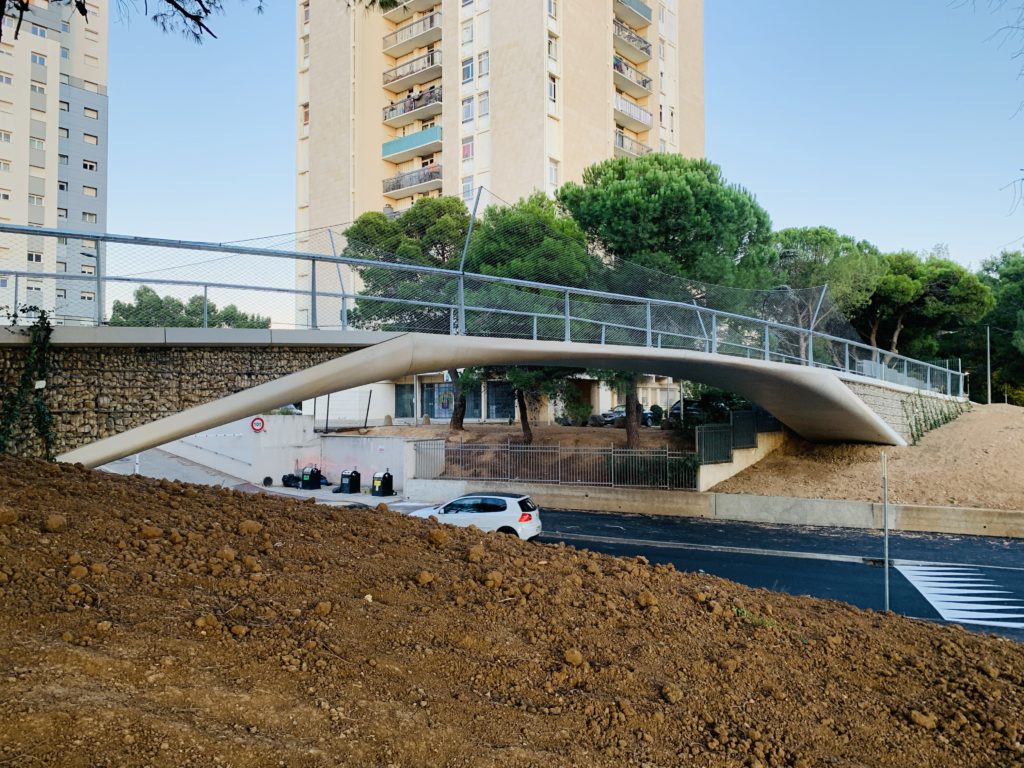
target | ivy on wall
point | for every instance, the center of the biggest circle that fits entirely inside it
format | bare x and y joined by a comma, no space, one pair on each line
26,394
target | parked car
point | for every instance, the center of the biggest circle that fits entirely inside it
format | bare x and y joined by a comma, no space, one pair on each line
619,412
502,512
698,411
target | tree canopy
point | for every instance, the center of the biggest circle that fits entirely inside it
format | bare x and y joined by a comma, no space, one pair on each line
152,310
672,214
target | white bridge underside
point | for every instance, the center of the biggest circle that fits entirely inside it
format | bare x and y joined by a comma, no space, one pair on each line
813,402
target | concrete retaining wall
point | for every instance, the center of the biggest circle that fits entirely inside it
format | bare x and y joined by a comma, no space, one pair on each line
710,475
908,411
756,509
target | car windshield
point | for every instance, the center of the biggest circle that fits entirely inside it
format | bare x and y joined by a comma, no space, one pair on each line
527,505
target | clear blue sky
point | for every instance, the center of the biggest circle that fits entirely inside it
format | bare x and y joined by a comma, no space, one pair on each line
890,121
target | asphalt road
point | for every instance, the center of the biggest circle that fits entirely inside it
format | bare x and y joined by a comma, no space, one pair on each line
974,581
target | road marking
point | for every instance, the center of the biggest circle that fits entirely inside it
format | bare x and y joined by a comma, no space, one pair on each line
965,595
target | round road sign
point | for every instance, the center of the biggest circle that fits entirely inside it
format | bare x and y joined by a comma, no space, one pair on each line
256,424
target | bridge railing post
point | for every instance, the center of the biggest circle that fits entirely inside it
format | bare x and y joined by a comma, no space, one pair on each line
312,294
767,343
714,334
846,357
650,330
568,330
206,306
810,348
534,327
462,305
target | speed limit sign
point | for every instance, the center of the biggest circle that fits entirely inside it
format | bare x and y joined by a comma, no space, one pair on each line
256,424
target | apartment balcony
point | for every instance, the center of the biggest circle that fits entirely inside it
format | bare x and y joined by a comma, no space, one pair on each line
405,11
630,79
413,182
416,71
425,142
631,115
629,44
418,34
627,146
633,12
413,108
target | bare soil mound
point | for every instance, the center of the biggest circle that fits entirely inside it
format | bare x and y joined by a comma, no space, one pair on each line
974,461
153,623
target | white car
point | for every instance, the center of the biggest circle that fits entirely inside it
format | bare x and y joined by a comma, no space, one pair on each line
502,512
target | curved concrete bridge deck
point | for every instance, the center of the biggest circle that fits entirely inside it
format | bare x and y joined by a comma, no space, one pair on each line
813,402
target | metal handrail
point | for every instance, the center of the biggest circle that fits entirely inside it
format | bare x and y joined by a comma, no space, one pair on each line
626,33
426,61
411,178
623,67
411,103
632,109
631,145
885,363
411,30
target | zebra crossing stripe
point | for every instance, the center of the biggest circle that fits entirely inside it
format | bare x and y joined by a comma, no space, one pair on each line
965,595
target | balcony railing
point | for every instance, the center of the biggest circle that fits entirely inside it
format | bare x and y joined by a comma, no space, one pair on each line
422,142
641,9
631,110
412,103
631,73
628,35
411,67
410,31
412,178
630,145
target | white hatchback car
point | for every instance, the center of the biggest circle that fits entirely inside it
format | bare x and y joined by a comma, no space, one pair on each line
502,512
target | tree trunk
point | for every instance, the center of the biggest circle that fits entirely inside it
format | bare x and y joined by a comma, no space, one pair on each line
459,409
874,332
896,334
632,418
524,417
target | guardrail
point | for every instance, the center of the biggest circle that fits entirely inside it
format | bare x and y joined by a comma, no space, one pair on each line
327,292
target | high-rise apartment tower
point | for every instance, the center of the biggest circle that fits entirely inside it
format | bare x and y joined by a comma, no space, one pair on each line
444,96
53,156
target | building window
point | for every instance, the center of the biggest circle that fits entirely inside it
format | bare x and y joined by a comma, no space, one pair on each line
467,3
88,242
34,288
305,114
88,218
5,165
467,32
62,133
89,191
62,159
65,26
35,257
485,103
5,136
305,46
62,240
467,188
34,143
38,31
88,269
483,64
89,165
553,9
552,90
35,200
62,293
467,148
305,13
62,266
37,87
467,70
62,186
552,47
467,111
553,172
661,50
3,282
5,194
62,213
88,296
65,53
38,58
88,138
92,114
65,107
5,79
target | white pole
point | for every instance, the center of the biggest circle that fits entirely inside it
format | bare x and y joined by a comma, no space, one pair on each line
988,359
136,471
885,524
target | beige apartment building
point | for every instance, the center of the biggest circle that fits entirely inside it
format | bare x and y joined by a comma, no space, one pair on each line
450,96
445,96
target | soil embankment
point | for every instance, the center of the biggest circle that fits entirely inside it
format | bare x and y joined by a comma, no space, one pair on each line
148,622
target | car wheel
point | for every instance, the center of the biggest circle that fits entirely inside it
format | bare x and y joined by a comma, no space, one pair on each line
508,530
647,421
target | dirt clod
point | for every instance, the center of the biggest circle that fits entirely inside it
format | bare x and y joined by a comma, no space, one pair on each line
55,523
573,657
249,527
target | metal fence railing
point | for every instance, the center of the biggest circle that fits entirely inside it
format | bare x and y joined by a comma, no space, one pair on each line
744,429
89,278
714,443
557,465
